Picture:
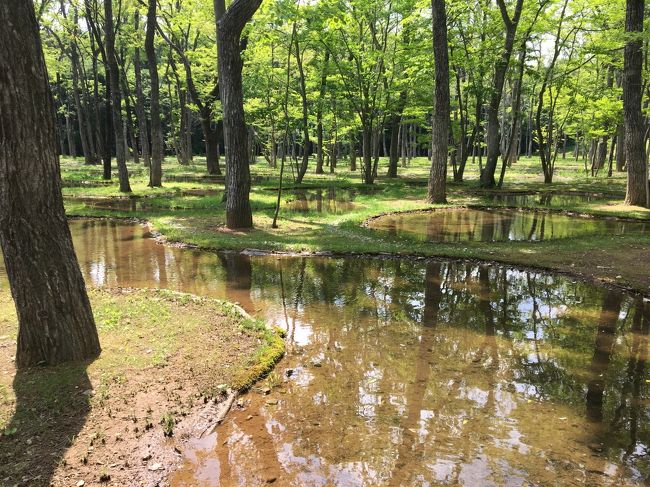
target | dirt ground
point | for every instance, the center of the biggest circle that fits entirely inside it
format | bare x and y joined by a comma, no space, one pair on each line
167,362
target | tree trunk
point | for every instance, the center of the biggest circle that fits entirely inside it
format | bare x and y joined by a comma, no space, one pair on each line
395,123
366,142
55,319
440,135
211,138
353,152
319,114
157,141
116,101
635,155
230,24
620,147
493,140
302,169
140,111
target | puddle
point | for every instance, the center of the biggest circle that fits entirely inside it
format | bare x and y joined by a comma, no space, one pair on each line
140,204
488,225
411,373
547,200
117,204
320,201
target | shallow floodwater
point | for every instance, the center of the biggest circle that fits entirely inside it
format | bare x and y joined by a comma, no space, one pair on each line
320,201
409,372
548,199
488,225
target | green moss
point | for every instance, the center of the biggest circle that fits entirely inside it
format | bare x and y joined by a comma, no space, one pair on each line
264,360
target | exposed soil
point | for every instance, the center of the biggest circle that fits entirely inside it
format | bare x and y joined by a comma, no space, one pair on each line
166,364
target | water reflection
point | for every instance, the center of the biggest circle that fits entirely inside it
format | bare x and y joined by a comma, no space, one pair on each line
409,373
522,200
483,225
328,200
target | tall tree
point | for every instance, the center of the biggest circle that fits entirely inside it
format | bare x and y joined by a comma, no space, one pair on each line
230,24
157,149
116,98
440,135
500,69
55,319
635,155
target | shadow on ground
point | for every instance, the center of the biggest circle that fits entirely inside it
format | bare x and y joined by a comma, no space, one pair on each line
51,407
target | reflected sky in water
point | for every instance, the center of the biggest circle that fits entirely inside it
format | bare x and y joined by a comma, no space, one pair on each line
488,225
412,373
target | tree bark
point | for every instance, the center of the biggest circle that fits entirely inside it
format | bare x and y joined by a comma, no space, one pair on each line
319,114
493,140
302,169
116,99
635,155
230,24
157,141
55,319
440,132
140,112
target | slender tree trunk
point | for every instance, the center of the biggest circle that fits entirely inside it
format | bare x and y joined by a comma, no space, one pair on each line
157,141
55,319
302,169
395,123
440,135
353,152
635,155
493,140
366,141
116,101
140,112
319,114
230,24
620,148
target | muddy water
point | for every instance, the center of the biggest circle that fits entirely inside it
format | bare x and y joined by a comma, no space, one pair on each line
483,225
412,373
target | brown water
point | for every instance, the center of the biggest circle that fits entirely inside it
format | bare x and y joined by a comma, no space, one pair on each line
412,373
488,225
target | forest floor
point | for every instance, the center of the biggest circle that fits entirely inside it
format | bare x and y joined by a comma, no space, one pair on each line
167,362
189,209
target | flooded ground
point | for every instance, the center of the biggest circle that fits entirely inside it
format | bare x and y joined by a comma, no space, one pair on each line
411,373
489,225
522,200
335,201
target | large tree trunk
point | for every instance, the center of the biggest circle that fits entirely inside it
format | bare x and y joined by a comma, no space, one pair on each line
440,135
157,149
637,177
230,24
116,99
55,319
492,138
